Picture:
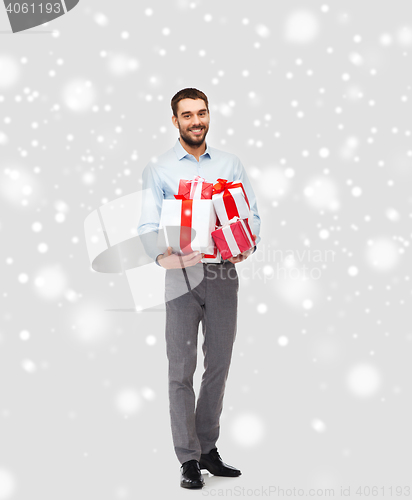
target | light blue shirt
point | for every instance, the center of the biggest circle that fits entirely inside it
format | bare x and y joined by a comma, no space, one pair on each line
161,181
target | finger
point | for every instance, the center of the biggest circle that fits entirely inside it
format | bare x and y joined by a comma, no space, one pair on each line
189,256
192,259
181,263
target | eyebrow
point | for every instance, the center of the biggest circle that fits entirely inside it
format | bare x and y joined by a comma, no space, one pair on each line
188,112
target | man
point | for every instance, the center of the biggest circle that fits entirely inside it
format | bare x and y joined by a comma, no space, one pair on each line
212,300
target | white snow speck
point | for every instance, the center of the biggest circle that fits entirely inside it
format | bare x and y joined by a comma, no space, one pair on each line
151,340
247,430
29,366
302,26
363,380
318,425
23,278
353,271
283,341
262,308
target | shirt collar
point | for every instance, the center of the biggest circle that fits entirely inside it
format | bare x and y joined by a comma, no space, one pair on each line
181,151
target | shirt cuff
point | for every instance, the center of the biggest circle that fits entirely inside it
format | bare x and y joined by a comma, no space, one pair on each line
156,260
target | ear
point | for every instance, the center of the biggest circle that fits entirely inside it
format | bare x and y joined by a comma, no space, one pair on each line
174,121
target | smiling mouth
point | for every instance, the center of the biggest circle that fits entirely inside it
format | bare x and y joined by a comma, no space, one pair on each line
196,131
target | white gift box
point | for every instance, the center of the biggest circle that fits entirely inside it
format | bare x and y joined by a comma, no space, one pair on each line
202,221
239,199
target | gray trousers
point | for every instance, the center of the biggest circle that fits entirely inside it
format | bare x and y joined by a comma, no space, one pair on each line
213,301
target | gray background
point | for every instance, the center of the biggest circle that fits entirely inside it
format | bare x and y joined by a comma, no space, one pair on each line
314,99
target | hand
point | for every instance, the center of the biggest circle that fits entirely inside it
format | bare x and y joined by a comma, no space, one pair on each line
244,255
170,260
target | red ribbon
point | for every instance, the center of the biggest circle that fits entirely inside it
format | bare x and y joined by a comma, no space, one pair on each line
239,234
220,186
214,254
186,223
228,200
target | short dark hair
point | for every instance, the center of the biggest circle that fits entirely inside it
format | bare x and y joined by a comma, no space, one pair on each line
188,94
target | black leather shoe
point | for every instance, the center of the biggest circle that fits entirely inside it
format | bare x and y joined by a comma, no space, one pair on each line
214,464
190,475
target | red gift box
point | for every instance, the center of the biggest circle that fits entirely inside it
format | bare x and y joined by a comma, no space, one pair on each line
195,189
233,238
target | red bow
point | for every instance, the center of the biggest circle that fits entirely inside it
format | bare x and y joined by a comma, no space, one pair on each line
221,185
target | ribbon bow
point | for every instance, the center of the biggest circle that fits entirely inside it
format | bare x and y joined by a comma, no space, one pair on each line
221,185
194,184
232,221
197,179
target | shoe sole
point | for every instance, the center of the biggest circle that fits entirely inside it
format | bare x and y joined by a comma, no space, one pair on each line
192,487
220,475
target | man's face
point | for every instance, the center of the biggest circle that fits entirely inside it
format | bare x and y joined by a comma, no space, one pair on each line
192,121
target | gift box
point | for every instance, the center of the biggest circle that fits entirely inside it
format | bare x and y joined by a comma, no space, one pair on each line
187,225
195,189
230,200
233,238
215,257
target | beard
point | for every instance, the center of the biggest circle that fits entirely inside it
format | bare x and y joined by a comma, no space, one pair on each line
193,141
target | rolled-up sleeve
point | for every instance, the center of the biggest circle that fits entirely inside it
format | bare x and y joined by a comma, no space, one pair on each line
152,199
